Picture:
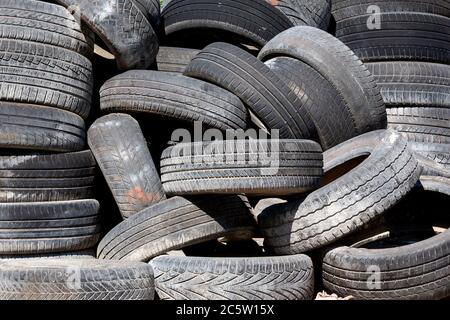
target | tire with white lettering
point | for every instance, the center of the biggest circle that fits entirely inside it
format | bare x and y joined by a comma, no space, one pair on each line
75,279
261,278
176,223
348,202
314,13
261,167
415,271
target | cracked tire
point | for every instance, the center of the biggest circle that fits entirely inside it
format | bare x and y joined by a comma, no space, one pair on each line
48,227
340,66
296,169
117,142
173,97
262,278
348,203
176,223
256,85
52,279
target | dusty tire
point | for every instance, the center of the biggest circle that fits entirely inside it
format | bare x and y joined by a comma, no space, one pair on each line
48,227
26,126
415,271
135,43
261,278
176,223
44,23
173,97
348,203
259,88
344,9
437,152
45,75
261,167
241,21
339,65
53,279
412,84
403,36
117,142
307,12
331,117
170,59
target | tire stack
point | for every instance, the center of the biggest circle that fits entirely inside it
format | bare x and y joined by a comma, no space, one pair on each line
251,156
409,55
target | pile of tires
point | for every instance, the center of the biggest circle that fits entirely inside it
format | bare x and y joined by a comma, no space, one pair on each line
235,149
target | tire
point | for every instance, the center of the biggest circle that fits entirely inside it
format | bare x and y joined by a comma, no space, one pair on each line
344,9
48,227
44,23
412,84
307,12
437,152
53,279
339,65
348,203
81,254
173,97
292,167
171,59
261,278
415,271
45,75
177,223
121,151
238,21
135,44
50,166
258,87
422,124
403,36
25,126
331,116
151,10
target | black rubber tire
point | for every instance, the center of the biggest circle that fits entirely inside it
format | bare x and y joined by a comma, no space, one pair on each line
48,227
314,13
344,9
412,84
415,271
422,124
261,278
173,97
349,202
151,10
332,118
258,87
117,142
261,167
80,254
247,21
437,152
340,66
123,27
75,279
33,127
172,59
403,36
176,223
44,23
45,75
51,166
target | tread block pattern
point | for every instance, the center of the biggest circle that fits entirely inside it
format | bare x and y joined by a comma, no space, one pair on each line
314,13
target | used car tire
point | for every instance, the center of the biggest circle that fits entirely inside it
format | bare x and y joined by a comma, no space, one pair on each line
292,167
176,223
173,97
54,279
347,203
339,65
117,142
314,13
259,88
171,59
48,227
261,278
